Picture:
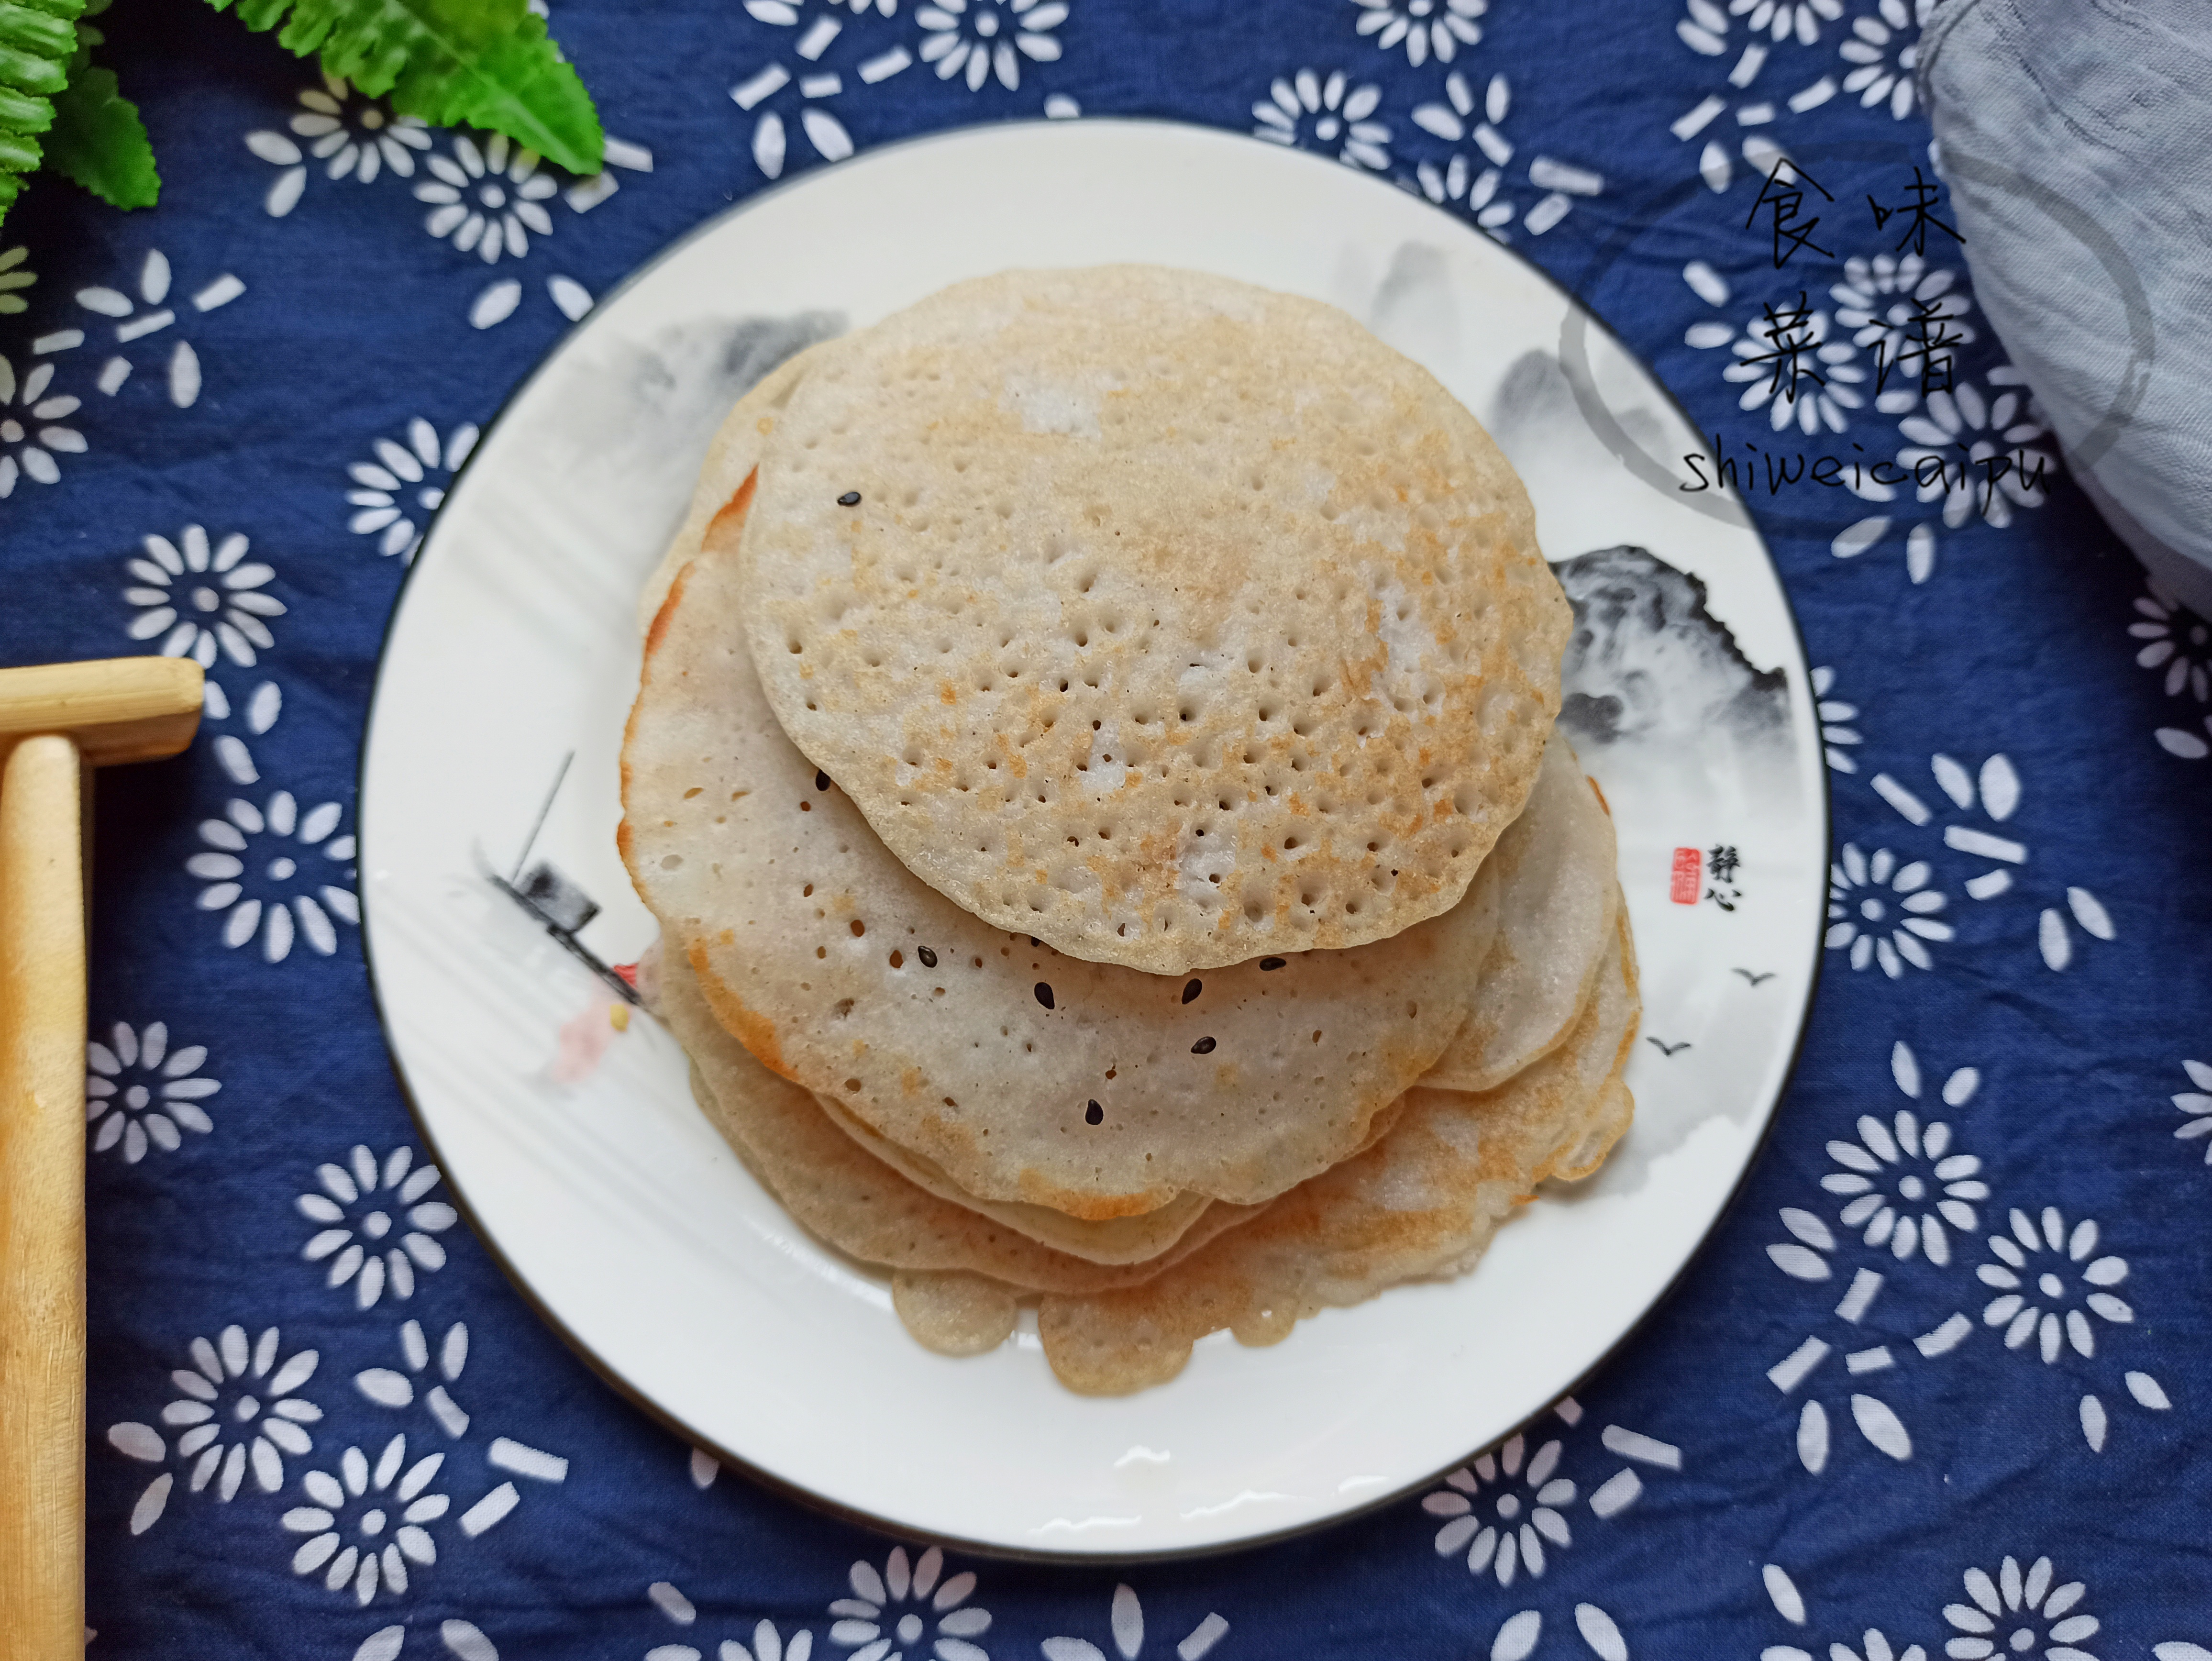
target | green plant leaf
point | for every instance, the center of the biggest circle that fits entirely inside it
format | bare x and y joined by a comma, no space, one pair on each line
98,141
38,38
475,62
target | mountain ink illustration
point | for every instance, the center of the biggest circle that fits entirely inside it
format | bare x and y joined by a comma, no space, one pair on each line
1648,663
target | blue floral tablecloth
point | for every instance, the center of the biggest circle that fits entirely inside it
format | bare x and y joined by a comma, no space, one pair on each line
1939,1384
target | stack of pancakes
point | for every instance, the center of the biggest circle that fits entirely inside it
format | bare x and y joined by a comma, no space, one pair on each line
1095,772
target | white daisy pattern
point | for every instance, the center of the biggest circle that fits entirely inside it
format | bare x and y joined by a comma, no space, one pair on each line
2023,1615
1704,29
499,299
1809,1256
1709,286
366,1523
1994,792
1788,365
1856,538
768,1644
1997,792
392,1389
1874,1645
1895,308
15,275
909,1610
376,1227
1474,182
2177,644
2049,1282
2008,461
1126,1625
2048,1279
486,196
2194,1107
815,75
31,430
1900,1180
488,199
2180,741
1788,1601
349,136
974,40
142,1093
1503,1510
1306,111
202,598
1425,28
1751,109
262,707
406,479
1505,1516
1838,736
238,1407
587,194
1883,51
263,867
1882,911
150,313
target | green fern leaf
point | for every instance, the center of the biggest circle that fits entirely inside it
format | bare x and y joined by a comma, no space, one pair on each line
38,37
99,142
474,63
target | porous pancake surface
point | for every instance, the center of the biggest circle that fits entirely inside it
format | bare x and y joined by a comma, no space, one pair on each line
852,1201
1168,620
1425,1202
1021,1074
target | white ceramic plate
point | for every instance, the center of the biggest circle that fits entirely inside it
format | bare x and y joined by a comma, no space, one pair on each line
577,1150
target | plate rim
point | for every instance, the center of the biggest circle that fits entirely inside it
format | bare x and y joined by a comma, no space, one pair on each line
604,1368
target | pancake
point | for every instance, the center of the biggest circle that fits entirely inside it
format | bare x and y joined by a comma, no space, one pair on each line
1422,1201
1171,621
855,1202
1558,899
983,1053
1095,771
1425,1202
1118,1240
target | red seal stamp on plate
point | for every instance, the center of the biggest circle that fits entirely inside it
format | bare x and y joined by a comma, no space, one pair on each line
1689,866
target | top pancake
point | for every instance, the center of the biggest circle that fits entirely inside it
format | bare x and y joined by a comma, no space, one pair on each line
1175,623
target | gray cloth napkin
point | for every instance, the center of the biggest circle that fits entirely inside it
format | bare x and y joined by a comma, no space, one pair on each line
2076,139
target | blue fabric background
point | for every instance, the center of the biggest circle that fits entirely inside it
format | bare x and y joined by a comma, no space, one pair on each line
353,322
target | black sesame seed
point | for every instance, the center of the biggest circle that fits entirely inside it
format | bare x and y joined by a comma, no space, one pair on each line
928,957
1271,962
821,781
1192,989
1203,1047
1094,1114
1044,994
850,499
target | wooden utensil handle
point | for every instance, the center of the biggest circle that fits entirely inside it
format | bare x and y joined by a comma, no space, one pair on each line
117,709
42,1028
